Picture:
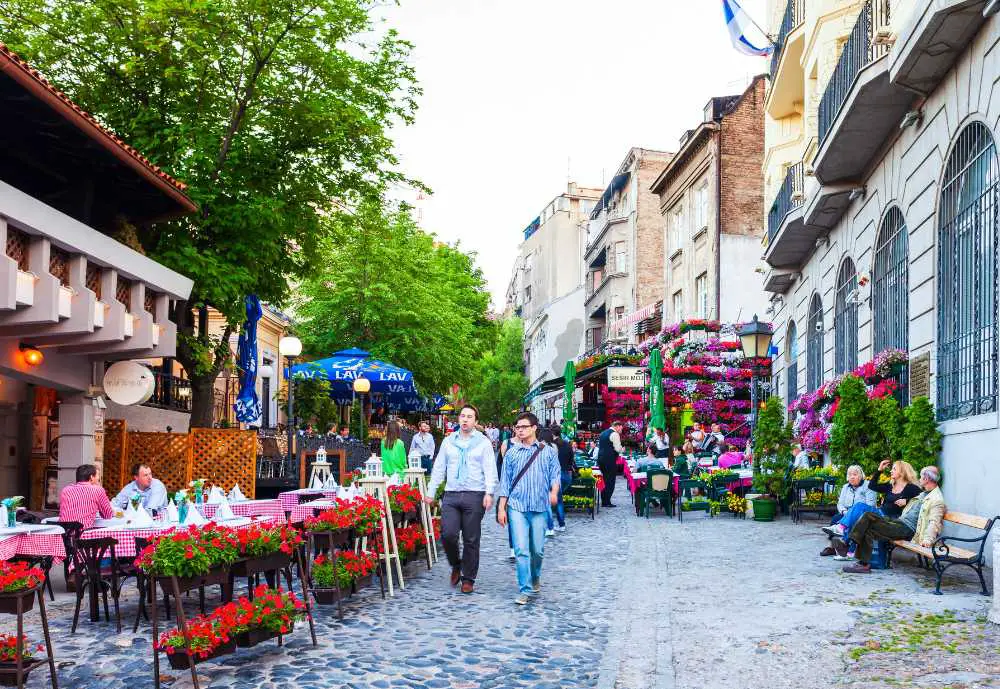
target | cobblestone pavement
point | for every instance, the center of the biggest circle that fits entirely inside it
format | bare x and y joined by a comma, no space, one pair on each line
626,603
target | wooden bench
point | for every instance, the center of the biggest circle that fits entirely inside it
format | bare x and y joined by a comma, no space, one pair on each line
942,555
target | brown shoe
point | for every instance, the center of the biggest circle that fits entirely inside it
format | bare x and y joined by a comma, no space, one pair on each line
456,575
860,568
467,587
827,551
839,547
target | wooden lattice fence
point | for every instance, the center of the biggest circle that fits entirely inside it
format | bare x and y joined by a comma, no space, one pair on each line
224,456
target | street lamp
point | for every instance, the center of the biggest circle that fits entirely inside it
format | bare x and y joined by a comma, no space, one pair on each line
290,347
362,386
755,340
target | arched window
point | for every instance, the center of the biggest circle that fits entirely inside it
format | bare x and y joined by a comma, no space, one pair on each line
891,290
814,345
967,278
845,323
792,361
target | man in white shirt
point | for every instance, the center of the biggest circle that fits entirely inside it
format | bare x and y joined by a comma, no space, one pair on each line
152,492
422,446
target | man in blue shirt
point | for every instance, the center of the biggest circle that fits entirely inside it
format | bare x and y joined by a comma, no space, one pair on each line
525,502
152,492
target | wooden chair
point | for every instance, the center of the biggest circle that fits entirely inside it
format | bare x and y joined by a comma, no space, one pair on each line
95,577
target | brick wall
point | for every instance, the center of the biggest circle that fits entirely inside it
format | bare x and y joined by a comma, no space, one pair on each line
742,195
649,231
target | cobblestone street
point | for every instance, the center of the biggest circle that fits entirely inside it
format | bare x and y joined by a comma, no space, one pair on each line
626,603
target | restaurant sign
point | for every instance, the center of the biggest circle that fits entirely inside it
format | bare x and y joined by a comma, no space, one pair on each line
626,377
128,383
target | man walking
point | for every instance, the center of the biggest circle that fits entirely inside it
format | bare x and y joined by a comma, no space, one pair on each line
609,446
422,447
530,484
466,460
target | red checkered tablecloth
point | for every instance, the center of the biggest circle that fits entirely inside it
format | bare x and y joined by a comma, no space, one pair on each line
33,545
300,512
250,508
290,499
126,537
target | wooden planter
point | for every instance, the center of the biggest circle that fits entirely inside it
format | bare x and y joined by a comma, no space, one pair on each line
331,540
397,519
215,577
8,671
259,565
361,582
329,596
412,516
8,601
252,637
180,660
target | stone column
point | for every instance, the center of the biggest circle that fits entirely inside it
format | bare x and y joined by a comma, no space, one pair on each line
76,436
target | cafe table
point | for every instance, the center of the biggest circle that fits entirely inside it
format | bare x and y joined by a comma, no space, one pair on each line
126,535
248,508
290,498
32,540
305,509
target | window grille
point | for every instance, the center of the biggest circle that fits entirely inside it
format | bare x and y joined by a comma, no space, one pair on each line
123,293
17,248
59,265
891,290
94,279
845,323
967,278
792,362
814,345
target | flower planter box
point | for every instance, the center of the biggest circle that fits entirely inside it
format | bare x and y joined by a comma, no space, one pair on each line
397,519
8,671
412,516
8,601
267,563
252,637
361,582
329,596
180,660
330,540
214,577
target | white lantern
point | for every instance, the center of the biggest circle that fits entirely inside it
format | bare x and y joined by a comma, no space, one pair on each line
373,467
413,462
321,455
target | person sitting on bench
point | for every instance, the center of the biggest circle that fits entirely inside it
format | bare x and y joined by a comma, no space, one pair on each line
920,522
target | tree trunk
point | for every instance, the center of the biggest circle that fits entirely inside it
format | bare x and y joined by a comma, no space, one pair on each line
192,342
203,400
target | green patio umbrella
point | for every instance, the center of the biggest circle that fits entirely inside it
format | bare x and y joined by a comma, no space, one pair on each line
569,419
657,418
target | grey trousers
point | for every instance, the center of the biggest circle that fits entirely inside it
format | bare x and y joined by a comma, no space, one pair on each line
462,511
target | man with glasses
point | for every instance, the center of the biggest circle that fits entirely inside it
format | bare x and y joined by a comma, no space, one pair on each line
529,485
466,460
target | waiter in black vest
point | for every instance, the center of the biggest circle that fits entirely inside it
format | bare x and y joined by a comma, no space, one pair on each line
609,446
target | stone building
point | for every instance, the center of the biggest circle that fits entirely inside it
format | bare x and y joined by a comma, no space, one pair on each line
882,231
710,198
623,257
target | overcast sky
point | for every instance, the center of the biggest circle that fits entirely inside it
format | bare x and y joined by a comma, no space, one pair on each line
522,95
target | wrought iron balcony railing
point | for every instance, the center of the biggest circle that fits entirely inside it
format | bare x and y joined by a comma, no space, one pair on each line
795,14
789,197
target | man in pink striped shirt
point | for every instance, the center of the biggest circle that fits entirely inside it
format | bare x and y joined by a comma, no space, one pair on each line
84,500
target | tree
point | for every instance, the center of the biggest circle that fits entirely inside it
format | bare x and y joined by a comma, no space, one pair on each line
921,438
500,385
275,112
853,426
312,401
393,290
772,443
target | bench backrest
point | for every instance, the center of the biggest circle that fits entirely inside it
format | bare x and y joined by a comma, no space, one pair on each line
970,520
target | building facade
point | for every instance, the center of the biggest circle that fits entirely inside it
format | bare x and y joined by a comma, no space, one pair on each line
623,256
885,236
711,201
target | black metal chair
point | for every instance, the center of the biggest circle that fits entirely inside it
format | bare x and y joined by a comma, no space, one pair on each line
97,573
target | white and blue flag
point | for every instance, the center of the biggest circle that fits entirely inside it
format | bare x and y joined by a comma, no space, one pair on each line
739,23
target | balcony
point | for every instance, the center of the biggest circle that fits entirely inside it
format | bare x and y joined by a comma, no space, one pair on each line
787,77
612,269
789,240
861,108
598,227
932,40
171,393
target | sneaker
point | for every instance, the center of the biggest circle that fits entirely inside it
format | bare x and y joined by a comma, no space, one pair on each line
549,533
844,558
834,530
522,599
536,586
560,528
512,556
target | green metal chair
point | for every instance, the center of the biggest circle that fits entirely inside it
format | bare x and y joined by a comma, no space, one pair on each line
684,489
658,487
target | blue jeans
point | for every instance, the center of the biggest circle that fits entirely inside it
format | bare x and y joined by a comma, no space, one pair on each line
528,532
565,481
852,515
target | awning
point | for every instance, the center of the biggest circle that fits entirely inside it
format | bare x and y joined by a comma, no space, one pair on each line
546,386
634,317
617,183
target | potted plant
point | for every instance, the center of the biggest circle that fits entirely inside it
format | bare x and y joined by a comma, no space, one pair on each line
9,644
265,550
18,580
772,460
208,638
404,501
12,503
197,558
270,614
327,582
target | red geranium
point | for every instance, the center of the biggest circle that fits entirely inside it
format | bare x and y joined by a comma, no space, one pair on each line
19,576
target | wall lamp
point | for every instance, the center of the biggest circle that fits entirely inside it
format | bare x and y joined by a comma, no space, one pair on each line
857,193
32,355
913,117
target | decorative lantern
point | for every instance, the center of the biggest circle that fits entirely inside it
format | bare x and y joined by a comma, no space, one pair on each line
321,455
413,462
373,467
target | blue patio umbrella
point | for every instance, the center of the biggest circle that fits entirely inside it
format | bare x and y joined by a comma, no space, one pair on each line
247,405
345,366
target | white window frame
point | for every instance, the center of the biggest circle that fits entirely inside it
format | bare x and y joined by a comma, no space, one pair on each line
677,304
701,294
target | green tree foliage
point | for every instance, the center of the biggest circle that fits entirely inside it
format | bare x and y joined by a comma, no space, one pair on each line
391,289
273,111
500,384
356,429
921,438
854,426
312,401
772,442
887,441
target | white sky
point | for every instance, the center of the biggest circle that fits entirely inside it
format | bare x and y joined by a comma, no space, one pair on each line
518,94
